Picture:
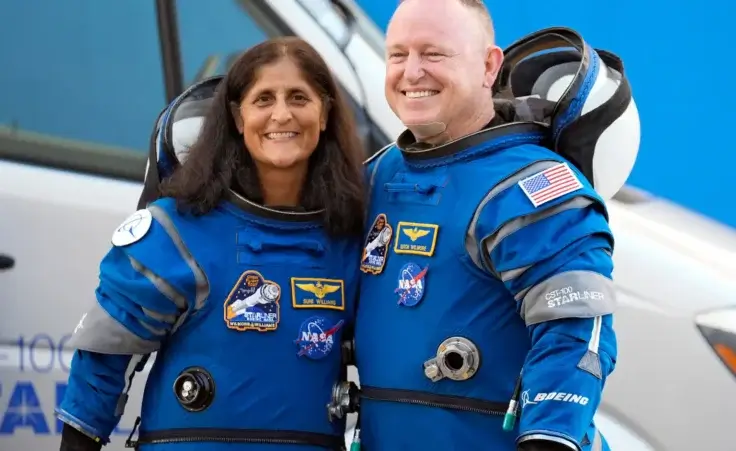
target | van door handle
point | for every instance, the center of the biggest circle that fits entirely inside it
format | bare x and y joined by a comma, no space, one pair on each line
6,262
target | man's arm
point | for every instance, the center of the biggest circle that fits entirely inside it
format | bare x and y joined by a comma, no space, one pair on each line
555,259
145,289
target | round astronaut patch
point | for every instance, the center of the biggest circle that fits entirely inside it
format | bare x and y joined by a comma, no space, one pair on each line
412,284
317,337
133,228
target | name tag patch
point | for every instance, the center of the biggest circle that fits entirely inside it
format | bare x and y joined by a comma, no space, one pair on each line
317,293
416,238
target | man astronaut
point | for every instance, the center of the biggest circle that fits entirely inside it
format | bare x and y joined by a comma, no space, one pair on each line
494,297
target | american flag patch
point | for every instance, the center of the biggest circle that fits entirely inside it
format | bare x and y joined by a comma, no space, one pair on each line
550,184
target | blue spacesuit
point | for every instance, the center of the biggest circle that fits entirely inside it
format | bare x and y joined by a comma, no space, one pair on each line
245,307
487,291
516,269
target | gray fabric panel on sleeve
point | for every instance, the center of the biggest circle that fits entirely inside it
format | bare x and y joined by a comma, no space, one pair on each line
203,285
523,221
591,362
164,287
129,374
572,294
167,290
154,330
99,332
168,319
471,241
490,242
512,274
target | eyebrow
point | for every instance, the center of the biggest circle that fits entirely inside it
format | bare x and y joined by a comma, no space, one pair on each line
290,90
423,47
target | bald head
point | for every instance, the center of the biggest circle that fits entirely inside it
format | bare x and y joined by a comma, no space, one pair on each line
483,16
441,62
479,10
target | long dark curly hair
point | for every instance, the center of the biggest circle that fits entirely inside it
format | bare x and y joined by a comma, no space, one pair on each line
219,160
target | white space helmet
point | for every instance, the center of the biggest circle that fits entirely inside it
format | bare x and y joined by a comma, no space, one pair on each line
176,130
183,123
584,99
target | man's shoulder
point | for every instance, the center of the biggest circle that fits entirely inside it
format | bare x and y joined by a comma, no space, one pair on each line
516,157
503,168
528,178
531,151
379,154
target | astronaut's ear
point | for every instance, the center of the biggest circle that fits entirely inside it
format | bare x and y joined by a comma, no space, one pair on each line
494,62
237,116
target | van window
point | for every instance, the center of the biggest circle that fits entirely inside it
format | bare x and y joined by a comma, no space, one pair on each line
212,35
82,87
89,73
79,84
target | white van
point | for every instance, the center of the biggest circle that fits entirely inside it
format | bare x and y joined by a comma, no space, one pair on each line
80,89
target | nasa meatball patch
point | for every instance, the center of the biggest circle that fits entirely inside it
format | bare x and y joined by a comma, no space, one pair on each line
317,337
253,304
411,284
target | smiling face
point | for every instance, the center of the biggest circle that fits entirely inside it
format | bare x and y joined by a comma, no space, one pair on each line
281,117
440,66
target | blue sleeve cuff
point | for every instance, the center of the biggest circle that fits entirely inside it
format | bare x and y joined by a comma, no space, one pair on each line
549,436
81,426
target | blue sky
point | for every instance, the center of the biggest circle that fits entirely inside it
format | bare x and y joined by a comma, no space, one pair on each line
683,86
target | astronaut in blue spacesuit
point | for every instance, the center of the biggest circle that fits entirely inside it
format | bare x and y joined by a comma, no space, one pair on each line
241,277
485,311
